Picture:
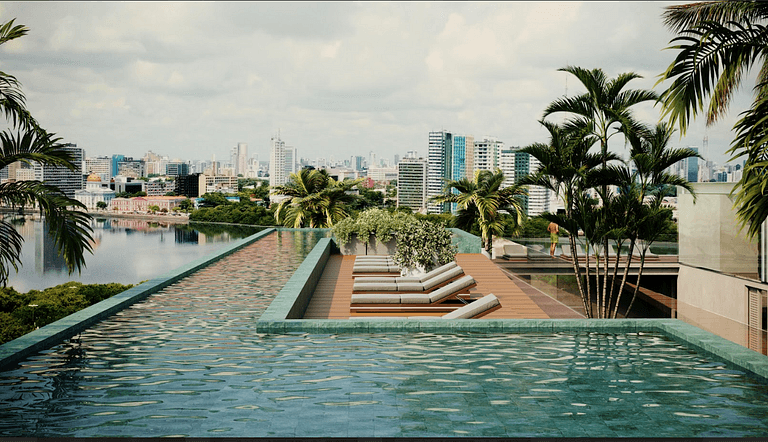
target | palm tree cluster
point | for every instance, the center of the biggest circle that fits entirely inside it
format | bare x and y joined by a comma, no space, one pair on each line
314,199
605,199
484,202
718,43
27,142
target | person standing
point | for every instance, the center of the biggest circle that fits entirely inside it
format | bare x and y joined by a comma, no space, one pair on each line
554,237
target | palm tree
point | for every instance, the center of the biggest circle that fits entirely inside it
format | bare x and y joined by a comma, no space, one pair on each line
27,142
314,199
603,111
566,167
644,217
482,200
718,43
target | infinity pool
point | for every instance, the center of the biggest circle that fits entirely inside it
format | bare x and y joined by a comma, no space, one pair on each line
188,362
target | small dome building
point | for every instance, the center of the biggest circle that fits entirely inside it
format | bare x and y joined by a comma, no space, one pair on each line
94,192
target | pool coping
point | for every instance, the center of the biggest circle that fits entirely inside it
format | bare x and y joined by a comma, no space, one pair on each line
56,332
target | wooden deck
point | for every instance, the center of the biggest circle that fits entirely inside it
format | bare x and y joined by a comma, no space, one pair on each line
333,293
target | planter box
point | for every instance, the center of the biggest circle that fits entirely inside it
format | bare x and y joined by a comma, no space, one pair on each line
374,247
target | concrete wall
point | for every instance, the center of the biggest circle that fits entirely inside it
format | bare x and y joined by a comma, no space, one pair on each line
714,301
709,232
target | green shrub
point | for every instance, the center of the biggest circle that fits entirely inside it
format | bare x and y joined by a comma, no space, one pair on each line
18,318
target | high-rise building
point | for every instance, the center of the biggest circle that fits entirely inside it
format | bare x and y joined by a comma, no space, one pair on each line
463,160
177,169
241,159
412,184
116,159
282,162
188,185
487,153
67,180
128,167
101,166
692,167
538,199
440,166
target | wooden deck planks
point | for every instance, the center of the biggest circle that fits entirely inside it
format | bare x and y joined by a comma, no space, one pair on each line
333,293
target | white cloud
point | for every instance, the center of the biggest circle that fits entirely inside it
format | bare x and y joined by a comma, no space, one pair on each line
189,79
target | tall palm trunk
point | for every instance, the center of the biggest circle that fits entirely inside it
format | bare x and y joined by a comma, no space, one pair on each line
637,285
624,277
577,272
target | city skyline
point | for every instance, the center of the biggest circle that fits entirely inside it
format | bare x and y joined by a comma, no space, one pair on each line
192,80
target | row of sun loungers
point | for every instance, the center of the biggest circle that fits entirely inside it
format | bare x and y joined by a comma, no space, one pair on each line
442,290
374,264
611,253
422,283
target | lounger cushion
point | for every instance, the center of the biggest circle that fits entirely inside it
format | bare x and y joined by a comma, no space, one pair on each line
374,287
515,250
376,298
379,279
414,298
374,269
474,308
451,288
442,277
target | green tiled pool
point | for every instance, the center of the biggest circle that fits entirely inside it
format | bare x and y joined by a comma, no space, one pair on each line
193,360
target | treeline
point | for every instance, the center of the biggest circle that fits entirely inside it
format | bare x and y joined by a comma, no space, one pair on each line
18,317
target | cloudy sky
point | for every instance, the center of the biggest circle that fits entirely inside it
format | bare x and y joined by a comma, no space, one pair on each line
190,80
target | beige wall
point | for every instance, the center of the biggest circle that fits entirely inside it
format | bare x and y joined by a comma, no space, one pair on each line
714,302
709,233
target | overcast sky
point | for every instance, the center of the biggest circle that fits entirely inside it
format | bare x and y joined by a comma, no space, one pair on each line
190,80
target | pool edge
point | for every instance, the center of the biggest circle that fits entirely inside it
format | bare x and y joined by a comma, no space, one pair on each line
56,332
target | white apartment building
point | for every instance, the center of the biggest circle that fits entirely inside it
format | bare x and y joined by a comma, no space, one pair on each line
487,153
282,162
101,166
412,184
440,166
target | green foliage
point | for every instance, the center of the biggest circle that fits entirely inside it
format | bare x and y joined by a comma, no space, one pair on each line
244,212
315,199
423,244
419,241
101,205
210,230
25,141
18,318
535,227
214,200
482,201
718,43
186,205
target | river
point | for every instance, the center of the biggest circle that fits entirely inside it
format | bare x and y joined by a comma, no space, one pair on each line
125,250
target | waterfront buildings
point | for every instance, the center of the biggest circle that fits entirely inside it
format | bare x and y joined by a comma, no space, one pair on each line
65,179
412,184
142,204
94,193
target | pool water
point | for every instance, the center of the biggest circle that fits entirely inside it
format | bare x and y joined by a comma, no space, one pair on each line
188,362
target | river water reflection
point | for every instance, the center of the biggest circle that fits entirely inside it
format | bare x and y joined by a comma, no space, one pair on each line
127,251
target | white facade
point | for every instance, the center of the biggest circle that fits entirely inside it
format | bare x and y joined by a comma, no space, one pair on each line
94,192
412,184
439,167
282,162
101,166
487,153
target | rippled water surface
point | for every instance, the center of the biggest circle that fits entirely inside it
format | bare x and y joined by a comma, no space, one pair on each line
187,362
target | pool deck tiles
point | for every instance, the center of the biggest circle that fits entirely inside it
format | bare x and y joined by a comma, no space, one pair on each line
332,295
